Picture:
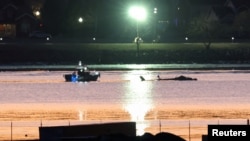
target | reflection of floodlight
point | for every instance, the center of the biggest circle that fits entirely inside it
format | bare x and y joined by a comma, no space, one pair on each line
138,100
138,13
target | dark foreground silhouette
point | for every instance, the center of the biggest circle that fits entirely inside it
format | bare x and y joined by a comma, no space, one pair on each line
163,136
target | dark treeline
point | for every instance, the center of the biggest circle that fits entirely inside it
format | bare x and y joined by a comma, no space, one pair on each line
109,19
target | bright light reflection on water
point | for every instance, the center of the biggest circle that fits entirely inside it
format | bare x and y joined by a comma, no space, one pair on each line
138,100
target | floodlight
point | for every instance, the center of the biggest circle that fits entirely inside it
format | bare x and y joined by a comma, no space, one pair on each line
80,20
138,13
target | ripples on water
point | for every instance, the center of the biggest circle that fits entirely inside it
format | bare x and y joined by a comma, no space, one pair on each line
126,87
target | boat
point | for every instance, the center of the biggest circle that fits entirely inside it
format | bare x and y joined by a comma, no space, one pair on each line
82,74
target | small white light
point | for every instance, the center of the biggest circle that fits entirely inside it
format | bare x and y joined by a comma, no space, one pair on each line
37,13
80,20
155,10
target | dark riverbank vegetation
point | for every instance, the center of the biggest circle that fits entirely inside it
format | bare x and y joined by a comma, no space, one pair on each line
124,53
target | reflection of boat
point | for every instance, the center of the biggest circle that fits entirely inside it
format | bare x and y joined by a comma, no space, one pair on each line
82,73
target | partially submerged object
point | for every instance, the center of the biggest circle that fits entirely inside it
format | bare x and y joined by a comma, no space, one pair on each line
179,78
82,73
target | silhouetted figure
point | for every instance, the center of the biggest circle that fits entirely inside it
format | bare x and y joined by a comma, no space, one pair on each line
137,41
158,76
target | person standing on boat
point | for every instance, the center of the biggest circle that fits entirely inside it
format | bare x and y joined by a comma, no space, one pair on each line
74,77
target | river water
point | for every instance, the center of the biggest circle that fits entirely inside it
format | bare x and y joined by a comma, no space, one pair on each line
217,94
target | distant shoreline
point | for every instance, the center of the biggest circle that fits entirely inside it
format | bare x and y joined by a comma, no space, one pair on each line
219,55
110,67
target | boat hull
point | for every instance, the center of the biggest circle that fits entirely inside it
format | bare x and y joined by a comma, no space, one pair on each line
74,78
